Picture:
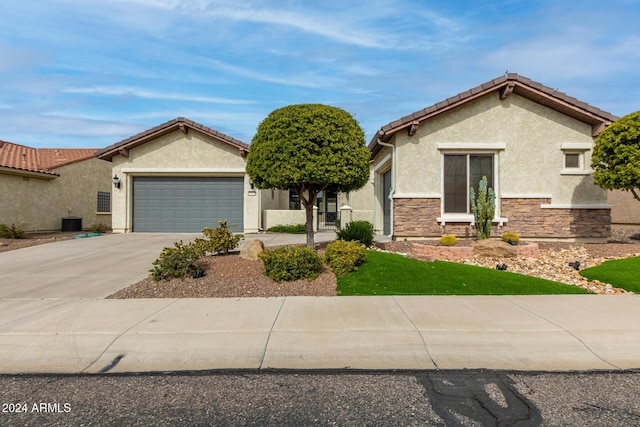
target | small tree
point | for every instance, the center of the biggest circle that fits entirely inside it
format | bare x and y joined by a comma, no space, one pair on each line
309,148
616,156
483,208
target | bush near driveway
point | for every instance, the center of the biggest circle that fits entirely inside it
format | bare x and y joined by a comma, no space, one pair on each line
621,273
290,263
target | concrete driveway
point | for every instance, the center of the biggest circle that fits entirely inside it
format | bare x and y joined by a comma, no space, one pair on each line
92,267
96,267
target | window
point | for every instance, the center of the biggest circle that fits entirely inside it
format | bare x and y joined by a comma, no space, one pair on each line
294,200
572,160
461,172
104,202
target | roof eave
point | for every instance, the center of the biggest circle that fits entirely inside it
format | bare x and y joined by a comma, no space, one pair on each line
181,124
507,84
28,173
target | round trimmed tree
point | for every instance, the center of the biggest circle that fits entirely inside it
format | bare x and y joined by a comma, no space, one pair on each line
616,156
309,148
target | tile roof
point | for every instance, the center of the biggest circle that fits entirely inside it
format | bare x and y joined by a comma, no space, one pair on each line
40,160
506,84
178,123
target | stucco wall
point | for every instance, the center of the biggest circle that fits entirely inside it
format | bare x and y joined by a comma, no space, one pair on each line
530,163
177,154
39,204
626,209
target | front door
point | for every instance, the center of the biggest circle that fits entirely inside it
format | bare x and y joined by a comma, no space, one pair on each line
327,210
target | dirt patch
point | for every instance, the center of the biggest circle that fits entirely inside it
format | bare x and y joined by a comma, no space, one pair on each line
231,277
34,239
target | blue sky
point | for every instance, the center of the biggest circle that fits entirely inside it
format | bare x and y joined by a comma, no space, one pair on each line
89,73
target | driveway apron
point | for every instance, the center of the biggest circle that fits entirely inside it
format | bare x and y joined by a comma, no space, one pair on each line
91,267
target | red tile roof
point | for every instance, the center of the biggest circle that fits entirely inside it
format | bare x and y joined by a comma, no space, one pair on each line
181,123
40,160
506,84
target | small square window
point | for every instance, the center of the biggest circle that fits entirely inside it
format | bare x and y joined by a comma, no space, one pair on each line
104,202
572,160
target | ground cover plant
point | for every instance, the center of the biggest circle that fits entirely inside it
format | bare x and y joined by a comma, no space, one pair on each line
392,274
288,229
621,273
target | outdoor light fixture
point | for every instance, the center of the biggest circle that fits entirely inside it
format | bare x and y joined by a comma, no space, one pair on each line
116,181
502,267
575,265
253,187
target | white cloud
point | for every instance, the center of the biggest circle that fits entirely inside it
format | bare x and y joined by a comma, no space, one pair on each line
149,94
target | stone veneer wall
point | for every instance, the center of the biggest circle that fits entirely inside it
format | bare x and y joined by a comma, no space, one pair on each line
417,218
528,219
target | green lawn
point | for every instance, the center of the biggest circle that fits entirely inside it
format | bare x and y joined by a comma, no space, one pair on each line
621,273
391,274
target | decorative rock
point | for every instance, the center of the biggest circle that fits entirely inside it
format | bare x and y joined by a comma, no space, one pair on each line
251,250
494,249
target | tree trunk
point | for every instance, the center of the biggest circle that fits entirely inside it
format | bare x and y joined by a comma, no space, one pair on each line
309,209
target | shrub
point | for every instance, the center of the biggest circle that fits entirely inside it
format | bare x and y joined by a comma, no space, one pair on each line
218,240
177,262
448,240
99,228
290,229
289,263
359,231
344,257
11,231
510,237
483,207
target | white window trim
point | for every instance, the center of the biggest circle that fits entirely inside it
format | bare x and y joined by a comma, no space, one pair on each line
417,196
580,149
459,217
470,146
576,206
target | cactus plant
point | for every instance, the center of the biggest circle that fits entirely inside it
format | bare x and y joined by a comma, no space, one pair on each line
483,208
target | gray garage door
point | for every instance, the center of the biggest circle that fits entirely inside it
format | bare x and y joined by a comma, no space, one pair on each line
186,204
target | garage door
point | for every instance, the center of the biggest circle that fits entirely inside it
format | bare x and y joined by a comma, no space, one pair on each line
186,204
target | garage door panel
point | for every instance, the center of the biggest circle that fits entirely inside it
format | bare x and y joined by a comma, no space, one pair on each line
187,204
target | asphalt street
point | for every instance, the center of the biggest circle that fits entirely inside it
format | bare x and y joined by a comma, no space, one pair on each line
324,398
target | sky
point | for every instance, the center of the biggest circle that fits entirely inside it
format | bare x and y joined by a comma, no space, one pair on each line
90,73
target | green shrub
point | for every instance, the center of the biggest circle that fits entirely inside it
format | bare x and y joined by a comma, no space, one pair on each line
359,231
289,263
99,228
510,237
218,240
448,240
11,231
290,229
177,262
344,257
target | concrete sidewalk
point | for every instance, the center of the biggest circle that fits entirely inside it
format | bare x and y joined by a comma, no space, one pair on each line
566,332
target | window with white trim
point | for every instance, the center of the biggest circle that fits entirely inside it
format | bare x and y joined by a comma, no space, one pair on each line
572,160
104,202
461,172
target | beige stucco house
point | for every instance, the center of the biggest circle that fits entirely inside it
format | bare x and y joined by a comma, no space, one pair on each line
40,186
181,176
533,143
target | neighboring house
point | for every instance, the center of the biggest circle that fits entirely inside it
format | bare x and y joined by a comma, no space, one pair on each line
626,210
533,143
40,186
